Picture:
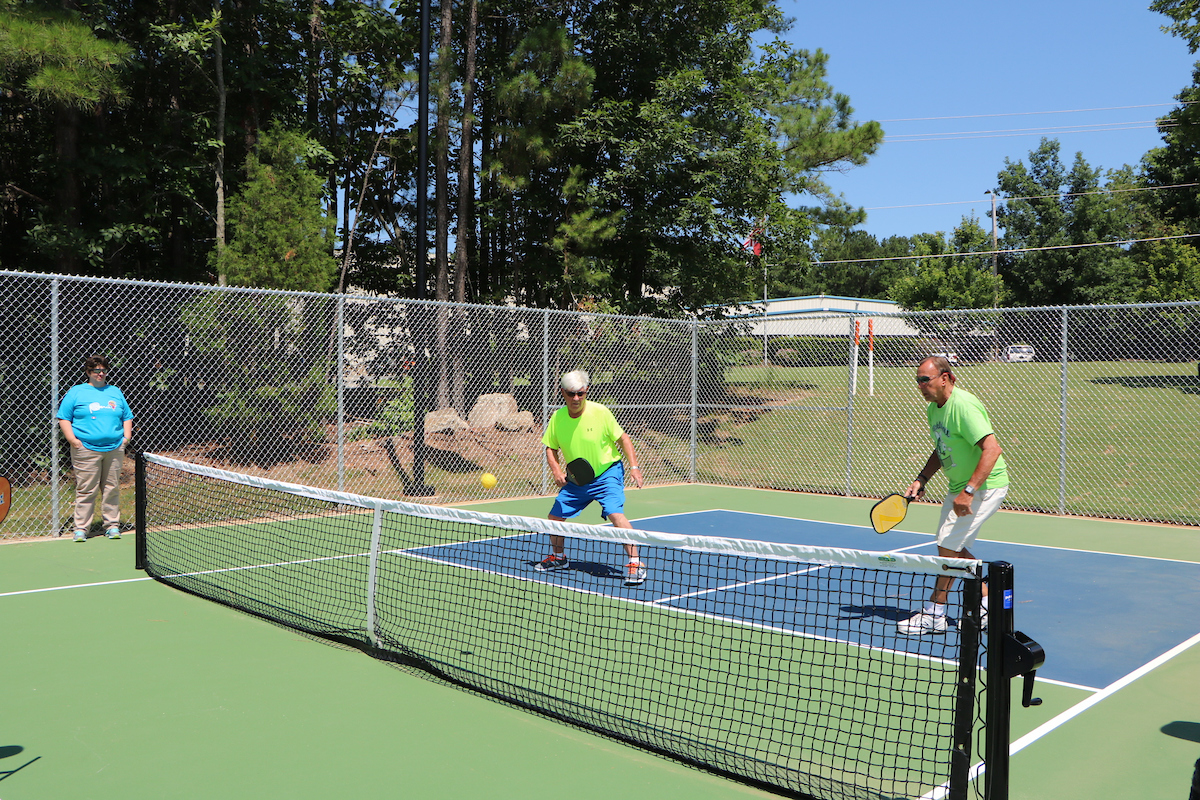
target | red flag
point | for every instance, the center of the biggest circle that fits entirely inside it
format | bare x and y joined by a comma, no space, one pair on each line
753,244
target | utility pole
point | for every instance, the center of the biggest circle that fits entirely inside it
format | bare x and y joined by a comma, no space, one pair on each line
995,247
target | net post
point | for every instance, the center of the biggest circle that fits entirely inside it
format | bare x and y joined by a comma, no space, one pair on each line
964,706
139,513
999,690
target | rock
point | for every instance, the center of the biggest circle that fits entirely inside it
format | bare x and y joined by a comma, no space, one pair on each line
444,419
521,421
490,408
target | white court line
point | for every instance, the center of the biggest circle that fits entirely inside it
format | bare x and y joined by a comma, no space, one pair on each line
74,586
1057,722
1103,694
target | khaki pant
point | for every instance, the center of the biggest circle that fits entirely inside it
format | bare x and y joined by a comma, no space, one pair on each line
97,474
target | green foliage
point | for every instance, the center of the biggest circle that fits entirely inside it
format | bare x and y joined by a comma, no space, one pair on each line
282,239
1185,16
394,418
950,281
1049,206
271,399
54,59
1168,272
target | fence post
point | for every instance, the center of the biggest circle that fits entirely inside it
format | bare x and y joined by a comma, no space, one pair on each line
54,513
695,400
340,321
1062,428
545,389
850,406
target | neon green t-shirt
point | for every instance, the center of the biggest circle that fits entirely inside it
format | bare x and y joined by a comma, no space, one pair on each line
592,436
956,429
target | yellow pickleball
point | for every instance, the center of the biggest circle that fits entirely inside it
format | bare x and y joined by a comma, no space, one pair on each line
488,480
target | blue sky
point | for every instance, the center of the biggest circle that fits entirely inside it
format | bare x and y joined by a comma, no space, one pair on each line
1007,60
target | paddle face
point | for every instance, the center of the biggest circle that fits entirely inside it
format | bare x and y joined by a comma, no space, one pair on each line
5,497
580,472
889,512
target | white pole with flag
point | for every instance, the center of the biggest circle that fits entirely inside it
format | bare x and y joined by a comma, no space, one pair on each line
854,362
871,357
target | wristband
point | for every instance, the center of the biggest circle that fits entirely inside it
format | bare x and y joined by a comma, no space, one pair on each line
923,480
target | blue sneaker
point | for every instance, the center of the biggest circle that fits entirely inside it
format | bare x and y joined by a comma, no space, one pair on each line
80,536
113,533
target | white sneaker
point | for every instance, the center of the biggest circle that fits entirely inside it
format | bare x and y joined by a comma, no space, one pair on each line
80,536
922,623
635,573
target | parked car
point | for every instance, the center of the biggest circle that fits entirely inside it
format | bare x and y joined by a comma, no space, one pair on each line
1017,352
952,357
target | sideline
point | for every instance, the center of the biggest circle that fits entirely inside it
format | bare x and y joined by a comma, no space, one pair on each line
75,586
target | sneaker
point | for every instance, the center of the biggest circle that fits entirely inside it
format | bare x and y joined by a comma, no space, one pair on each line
80,536
922,623
113,533
552,561
635,573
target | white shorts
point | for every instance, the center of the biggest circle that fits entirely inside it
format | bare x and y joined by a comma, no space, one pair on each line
958,533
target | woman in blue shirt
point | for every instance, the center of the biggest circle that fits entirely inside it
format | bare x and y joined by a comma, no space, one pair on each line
97,423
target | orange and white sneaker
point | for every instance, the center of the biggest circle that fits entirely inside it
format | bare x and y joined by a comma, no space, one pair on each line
552,562
635,573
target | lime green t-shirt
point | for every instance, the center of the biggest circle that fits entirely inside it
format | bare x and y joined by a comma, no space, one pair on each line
592,436
956,429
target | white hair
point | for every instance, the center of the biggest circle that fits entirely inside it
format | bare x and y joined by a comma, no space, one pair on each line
574,381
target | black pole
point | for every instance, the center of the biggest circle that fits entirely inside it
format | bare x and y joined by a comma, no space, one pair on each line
139,513
964,707
419,317
999,691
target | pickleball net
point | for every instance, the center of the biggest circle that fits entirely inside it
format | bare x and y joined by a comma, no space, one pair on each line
777,664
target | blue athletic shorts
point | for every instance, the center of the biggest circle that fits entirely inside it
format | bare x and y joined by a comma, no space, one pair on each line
608,490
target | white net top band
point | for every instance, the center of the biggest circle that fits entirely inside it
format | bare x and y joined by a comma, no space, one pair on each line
833,556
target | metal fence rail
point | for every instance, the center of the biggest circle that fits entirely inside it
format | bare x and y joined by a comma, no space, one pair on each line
324,390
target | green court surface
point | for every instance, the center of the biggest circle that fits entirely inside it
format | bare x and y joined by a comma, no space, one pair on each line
120,687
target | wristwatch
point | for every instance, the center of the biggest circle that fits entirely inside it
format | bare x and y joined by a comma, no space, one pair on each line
969,489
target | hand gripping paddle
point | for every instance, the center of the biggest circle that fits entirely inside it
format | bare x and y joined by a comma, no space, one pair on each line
580,472
889,512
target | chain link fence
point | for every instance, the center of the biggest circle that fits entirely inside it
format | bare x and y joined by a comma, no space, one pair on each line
1096,407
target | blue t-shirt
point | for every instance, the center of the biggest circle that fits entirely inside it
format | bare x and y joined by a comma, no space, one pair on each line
96,415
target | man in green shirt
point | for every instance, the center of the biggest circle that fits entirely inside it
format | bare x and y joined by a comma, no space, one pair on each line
966,448
592,442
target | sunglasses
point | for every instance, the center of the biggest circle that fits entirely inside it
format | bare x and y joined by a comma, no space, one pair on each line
100,371
580,393
928,378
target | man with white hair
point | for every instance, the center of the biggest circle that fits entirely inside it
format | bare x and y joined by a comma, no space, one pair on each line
592,443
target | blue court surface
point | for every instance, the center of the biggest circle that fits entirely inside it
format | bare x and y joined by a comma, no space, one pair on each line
1099,616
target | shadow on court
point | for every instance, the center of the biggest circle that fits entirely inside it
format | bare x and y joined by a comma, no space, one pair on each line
1188,731
884,613
591,568
9,751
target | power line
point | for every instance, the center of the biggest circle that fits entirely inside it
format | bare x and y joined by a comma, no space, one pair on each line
1040,196
949,137
1014,250
1077,128
1034,113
